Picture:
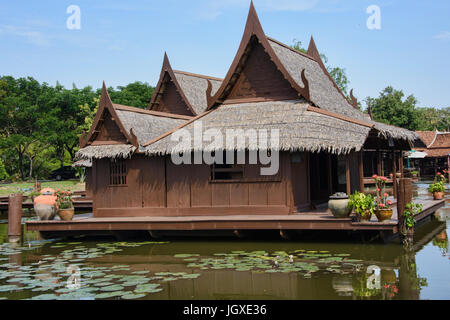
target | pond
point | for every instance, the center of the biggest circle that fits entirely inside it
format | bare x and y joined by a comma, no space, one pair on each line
210,268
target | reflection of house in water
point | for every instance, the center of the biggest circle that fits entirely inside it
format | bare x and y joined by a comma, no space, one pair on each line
435,156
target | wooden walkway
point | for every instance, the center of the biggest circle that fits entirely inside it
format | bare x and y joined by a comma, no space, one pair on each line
314,220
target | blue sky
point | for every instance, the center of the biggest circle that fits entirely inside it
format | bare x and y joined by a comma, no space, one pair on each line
124,41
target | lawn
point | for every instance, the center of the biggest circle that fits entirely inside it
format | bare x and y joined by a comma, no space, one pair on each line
8,188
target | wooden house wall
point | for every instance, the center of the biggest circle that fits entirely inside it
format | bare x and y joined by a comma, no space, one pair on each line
155,186
261,80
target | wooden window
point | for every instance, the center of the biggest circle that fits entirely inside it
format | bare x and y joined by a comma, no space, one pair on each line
117,172
227,172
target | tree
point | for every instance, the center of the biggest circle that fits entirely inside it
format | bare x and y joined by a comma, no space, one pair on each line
339,75
391,108
20,113
136,94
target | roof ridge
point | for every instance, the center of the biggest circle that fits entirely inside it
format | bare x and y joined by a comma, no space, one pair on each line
197,75
290,48
151,112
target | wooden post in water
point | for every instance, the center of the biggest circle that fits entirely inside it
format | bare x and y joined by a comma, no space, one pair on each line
404,196
15,217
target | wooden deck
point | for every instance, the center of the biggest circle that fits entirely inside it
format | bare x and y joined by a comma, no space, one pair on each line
314,220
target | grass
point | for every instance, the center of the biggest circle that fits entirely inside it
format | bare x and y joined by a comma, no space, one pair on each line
8,188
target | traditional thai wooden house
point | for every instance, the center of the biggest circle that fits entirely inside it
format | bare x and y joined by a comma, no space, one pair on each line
322,138
436,154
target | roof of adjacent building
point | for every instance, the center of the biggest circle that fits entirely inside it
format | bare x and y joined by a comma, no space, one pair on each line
438,143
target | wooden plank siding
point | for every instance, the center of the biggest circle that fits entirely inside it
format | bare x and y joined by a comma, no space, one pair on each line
157,187
260,80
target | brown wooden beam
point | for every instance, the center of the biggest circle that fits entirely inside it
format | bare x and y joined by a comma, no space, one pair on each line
379,170
361,171
330,176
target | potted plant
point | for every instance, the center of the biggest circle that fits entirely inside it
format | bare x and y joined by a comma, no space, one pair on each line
65,205
411,209
437,188
414,173
382,210
363,204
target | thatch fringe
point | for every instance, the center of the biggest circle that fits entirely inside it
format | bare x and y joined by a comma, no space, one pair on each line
106,151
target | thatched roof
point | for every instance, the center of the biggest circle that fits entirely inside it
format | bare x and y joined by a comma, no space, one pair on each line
323,92
146,124
139,124
113,151
194,87
82,163
299,129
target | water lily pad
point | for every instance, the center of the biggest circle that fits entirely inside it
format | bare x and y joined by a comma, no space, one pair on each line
115,287
131,296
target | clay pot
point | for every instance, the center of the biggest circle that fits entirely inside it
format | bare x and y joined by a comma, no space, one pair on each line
438,195
45,211
66,214
388,276
367,216
383,214
338,205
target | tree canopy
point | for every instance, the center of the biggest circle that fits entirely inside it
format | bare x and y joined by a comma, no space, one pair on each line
40,125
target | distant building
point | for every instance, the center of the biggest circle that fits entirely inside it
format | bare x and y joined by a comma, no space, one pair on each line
436,156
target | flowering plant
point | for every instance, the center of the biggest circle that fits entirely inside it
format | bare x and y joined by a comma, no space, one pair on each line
381,201
438,184
391,290
64,199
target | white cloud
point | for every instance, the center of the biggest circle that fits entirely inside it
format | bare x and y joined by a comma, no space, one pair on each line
31,36
444,35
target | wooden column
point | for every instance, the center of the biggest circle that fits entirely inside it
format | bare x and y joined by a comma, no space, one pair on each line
404,197
15,217
361,171
394,173
379,163
347,174
402,169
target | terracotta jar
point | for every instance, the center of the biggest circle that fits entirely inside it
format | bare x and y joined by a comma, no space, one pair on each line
438,195
66,214
338,205
383,214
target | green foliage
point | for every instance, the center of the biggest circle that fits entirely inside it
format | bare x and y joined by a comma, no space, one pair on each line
411,210
3,174
40,125
430,119
438,184
391,108
363,204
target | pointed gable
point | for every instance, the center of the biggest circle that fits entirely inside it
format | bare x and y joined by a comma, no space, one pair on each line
107,127
260,80
169,96
256,73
